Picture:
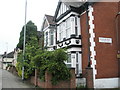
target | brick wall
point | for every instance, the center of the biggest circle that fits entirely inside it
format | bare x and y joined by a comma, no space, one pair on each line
84,42
106,54
104,20
61,84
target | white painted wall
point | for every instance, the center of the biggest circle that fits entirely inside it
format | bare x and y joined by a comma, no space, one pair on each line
107,83
6,61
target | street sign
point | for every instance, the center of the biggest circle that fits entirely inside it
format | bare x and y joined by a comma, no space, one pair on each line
105,40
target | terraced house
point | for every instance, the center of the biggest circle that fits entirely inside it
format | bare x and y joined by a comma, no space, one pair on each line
91,33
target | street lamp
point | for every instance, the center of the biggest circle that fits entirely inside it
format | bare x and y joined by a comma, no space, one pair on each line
24,40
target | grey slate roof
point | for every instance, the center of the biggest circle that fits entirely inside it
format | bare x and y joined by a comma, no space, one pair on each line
9,55
50,19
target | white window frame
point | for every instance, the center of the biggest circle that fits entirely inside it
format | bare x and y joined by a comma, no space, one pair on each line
46,38
69,62
51,37
68,27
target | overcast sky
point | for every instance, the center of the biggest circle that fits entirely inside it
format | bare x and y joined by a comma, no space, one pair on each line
12,19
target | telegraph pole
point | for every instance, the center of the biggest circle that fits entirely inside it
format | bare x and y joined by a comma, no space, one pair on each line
24,40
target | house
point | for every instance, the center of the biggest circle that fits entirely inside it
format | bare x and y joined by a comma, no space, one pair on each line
91,33
7,59
15,55
49,32
69,35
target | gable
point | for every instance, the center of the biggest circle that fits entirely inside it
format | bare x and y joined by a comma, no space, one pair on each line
62,8
45,24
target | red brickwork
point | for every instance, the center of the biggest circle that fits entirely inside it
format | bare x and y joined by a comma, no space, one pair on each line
118,18
48,84
84,42
89,77
105,26
104,20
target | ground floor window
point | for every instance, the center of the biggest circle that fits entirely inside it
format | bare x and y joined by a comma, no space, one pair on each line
74,60
68,63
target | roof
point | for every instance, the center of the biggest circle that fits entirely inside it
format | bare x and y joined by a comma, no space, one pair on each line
47,22
78,7
50,19
9,55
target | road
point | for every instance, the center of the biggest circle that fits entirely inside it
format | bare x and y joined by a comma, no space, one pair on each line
11,81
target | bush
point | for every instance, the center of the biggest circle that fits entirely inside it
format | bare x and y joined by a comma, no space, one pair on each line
53,62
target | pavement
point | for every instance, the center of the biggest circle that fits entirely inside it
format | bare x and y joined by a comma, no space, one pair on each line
11,81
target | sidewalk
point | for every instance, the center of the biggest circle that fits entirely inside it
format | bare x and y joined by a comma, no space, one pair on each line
11,81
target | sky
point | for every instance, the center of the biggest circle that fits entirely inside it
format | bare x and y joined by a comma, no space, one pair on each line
12,14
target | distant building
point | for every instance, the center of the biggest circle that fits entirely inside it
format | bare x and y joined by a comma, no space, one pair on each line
15,55
7,59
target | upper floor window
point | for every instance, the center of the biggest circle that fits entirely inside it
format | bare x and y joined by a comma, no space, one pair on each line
68,28
76,26
46,38
60,32
51,37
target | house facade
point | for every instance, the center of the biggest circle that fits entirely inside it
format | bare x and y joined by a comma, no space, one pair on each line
69,35
103,43
91,34
48,30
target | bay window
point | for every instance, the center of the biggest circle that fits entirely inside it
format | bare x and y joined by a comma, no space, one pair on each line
68,28
51,37
46,38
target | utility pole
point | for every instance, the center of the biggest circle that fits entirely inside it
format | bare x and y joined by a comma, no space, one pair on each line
24,40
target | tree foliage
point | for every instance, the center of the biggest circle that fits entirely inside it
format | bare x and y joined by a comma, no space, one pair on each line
31,34
53,62
30,49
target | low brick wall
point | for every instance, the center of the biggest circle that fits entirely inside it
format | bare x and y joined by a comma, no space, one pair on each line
89,77
62,84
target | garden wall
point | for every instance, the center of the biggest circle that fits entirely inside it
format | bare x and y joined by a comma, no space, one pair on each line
47,84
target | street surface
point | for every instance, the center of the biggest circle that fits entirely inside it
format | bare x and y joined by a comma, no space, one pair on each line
11,81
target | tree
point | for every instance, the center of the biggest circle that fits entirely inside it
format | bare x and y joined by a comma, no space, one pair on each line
30,49
31,33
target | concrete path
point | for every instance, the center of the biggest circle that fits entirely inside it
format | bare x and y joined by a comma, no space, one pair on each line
11,81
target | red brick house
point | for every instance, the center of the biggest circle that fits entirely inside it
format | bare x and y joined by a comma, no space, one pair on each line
91,32
103,46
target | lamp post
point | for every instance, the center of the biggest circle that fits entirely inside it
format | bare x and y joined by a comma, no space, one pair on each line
24,40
